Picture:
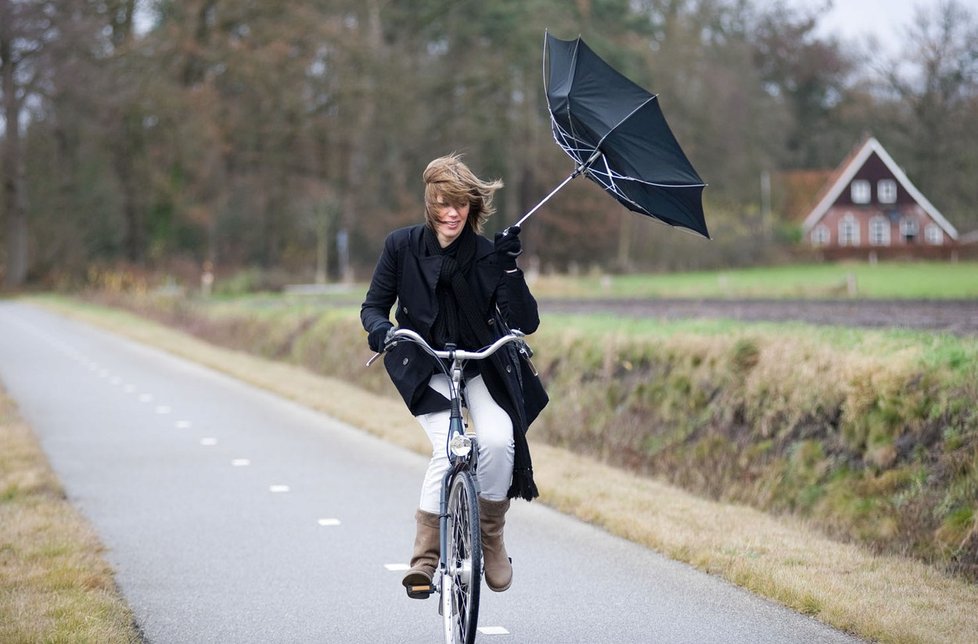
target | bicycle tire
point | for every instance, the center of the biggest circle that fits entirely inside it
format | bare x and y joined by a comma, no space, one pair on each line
462,580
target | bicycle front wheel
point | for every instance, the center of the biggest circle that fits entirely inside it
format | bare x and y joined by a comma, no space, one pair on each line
463,562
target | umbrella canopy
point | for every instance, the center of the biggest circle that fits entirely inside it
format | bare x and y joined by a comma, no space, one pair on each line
618,137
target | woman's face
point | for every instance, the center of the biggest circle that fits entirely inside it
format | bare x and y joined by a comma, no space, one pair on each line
449,220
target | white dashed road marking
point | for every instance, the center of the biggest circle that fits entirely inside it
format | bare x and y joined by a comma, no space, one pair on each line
241,462
493,630
397,567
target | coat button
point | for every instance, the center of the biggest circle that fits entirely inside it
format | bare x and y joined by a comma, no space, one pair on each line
405,361
490,321
509,369
404,308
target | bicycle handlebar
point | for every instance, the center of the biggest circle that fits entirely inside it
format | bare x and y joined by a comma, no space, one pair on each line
515,335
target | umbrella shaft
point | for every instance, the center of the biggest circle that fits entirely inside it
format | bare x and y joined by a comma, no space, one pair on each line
547,198
578,170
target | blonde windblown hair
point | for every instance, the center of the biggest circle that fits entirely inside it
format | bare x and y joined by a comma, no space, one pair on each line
447,177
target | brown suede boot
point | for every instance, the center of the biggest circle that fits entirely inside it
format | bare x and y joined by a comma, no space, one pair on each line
417,580
498,566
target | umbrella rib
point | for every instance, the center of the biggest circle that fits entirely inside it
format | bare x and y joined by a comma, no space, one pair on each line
615,176
607,178
583,150
617,191
657,185
628,116
555,127
566,141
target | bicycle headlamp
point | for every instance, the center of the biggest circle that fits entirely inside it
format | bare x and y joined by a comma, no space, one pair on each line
460,445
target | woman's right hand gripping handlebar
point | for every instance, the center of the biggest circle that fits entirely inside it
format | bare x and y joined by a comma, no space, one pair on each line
380,337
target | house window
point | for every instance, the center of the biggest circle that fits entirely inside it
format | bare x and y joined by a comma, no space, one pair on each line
879,231
909,229
933,234
820,236
848,231
886,191
860,191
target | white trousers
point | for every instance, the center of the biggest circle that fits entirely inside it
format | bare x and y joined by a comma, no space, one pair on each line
494,430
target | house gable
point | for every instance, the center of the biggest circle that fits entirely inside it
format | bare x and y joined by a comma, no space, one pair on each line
872,164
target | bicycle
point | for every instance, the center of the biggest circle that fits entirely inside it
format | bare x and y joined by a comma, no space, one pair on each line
458,576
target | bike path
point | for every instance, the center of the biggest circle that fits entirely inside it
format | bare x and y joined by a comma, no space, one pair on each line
233,515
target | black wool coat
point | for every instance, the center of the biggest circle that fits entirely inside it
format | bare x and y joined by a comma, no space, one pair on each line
405,274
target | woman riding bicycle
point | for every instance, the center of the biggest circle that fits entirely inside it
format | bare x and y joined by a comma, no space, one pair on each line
454,286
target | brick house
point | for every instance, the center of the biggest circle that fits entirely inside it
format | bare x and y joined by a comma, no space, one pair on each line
870,206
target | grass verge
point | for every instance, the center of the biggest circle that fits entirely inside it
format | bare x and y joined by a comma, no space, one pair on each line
54,584
884,598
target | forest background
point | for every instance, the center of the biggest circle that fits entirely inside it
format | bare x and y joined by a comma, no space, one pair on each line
288,137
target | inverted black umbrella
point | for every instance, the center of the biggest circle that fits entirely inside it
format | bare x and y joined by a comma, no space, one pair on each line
616,134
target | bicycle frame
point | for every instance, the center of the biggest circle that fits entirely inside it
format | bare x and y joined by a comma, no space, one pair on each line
461,451
462,576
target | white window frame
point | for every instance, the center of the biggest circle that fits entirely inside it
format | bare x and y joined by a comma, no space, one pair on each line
933,235
879,231
909,229
849,230
860,191
886,191
820,235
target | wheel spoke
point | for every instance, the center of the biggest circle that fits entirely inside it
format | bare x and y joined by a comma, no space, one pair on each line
463,562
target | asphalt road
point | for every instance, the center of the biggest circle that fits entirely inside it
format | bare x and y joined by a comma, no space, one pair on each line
232,515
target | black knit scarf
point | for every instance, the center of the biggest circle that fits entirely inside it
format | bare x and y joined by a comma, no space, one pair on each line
460,321
453,292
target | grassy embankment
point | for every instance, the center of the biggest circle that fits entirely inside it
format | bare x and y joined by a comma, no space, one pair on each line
54,585
870,436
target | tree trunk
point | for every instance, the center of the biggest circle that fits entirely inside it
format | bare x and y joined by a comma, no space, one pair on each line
360,137
14,196
133,239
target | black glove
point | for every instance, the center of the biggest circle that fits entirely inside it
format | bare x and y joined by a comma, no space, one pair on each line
508,247
377,339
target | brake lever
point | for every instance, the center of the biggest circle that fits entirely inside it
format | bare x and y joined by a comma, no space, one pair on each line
527,353
387,348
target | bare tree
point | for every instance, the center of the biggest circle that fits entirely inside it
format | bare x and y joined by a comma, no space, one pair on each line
23,30
933,90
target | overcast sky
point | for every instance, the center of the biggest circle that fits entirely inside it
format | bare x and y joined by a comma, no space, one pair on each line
886,19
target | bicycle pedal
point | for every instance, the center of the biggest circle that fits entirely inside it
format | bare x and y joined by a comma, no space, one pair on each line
420,592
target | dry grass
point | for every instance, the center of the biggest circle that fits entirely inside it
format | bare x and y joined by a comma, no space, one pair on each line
888,599
54,585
